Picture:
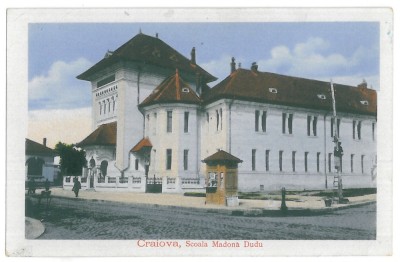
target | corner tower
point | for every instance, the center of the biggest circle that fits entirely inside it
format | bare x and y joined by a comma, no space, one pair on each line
125,77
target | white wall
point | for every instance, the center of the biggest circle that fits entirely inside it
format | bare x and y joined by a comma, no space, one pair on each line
177,140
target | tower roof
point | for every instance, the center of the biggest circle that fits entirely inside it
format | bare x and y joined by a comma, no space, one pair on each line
265,87
149,50
172,90
106,134
222,156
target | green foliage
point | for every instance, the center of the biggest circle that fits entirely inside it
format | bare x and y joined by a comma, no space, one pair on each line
194,194
71,159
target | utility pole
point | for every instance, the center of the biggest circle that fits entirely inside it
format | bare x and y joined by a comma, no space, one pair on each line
338,151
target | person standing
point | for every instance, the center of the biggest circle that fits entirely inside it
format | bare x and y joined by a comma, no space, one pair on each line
76,187
47,185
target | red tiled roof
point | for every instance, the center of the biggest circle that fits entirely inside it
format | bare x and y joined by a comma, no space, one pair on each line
34,148
105,134
254,86
145,142
172,90
151,50
222,156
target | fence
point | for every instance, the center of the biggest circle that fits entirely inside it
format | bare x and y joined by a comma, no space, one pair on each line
138,184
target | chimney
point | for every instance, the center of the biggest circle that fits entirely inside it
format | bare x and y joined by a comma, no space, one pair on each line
233,65
254,67
363,85
44,141
193,56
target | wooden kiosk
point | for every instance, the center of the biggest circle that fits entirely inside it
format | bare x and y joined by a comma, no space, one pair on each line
222,179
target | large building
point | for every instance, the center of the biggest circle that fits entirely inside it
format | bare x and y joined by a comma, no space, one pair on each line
155,119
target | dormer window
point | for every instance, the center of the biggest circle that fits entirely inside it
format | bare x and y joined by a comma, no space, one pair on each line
273,90
364,102
321,96
185,90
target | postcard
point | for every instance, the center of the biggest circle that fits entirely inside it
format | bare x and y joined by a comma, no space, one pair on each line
199,132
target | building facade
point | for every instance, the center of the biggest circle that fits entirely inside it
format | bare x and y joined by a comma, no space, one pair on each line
155,119
39,162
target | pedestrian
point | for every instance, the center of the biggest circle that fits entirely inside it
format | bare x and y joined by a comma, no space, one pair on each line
76,187
47,185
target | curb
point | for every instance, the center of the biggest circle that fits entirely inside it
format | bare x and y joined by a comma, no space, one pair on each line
257,212
33,228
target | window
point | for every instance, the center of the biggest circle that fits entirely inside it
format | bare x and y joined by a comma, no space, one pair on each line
283,123
273,90
185,159
280,161
266,160
362,164
263,117
109,105
257,117
373,131
294,161
136,164
186,124
169,121
104,107
220,113
312,120
315,126
287,123
330,162
352,163
169,159
356,129
253,160
147,123
306,161
155,124
264,121
100,107
217,119
185,90
113,105
318,156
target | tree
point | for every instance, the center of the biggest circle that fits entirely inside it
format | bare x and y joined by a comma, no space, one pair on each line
71,159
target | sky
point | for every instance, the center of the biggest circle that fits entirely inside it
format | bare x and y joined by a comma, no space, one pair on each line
346,52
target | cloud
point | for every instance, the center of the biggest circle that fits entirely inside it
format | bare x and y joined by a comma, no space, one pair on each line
59,88
65,125
311,59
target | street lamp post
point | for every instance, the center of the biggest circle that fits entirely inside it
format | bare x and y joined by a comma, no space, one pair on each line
338,150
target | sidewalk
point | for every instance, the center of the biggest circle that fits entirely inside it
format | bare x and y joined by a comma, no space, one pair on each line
303,205
33,228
